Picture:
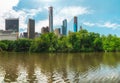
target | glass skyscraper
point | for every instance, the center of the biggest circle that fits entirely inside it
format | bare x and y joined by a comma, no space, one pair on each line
64,27
75,24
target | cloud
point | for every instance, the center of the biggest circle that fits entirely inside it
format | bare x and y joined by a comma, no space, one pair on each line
89,24
105,25
6,5
68,13
111,25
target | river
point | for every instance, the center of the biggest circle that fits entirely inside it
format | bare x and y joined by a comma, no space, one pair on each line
60,68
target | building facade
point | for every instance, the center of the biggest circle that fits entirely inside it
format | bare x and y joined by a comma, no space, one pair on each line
57,32
44,30
8,35
64,27
75,24
51,19
25,35
12,24
31,29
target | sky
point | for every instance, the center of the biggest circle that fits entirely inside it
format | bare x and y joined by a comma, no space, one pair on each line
100,16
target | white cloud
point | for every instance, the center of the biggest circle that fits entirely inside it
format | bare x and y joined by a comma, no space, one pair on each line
105,25
111,25
6,5
68,13
89,24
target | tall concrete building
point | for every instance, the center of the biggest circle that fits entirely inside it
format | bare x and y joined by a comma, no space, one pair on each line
75,24
51,19
31,29
12,24
64,27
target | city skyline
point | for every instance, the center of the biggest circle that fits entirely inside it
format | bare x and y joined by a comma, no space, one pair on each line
96,16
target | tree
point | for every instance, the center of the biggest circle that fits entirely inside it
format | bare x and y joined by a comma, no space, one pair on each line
22,45
3,46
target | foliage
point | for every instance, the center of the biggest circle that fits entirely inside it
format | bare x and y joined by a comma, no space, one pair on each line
22,45
3,46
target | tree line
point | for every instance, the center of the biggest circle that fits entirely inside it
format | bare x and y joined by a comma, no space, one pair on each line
82,41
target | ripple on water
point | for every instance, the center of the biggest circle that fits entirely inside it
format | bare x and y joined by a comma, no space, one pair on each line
103,74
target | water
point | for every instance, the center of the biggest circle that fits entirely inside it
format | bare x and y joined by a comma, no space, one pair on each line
60,68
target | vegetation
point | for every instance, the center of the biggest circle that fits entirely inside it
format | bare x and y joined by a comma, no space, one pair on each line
82,41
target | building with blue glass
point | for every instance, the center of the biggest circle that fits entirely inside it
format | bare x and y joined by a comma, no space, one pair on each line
64,27
75,24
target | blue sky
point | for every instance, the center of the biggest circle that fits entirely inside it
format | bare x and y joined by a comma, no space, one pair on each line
101,16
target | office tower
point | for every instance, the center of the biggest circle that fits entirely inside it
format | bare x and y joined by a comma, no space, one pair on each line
75,24
31,28
12,24
51,19
64,27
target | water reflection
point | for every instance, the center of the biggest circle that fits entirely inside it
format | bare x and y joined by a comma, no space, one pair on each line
60,68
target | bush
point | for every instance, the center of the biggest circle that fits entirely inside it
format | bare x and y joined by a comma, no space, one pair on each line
3,46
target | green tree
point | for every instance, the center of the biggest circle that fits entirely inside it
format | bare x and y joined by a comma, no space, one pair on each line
22,45
9,44
63,45
3,46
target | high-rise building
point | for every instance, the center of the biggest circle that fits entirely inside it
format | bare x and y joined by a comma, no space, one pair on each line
31,28
75,24
12,24
64,27
51,19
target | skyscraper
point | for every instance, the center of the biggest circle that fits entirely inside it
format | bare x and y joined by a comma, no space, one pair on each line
64,27
12,24
75,24
31,28
51,19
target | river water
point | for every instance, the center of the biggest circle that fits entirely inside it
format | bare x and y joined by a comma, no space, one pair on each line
60,68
